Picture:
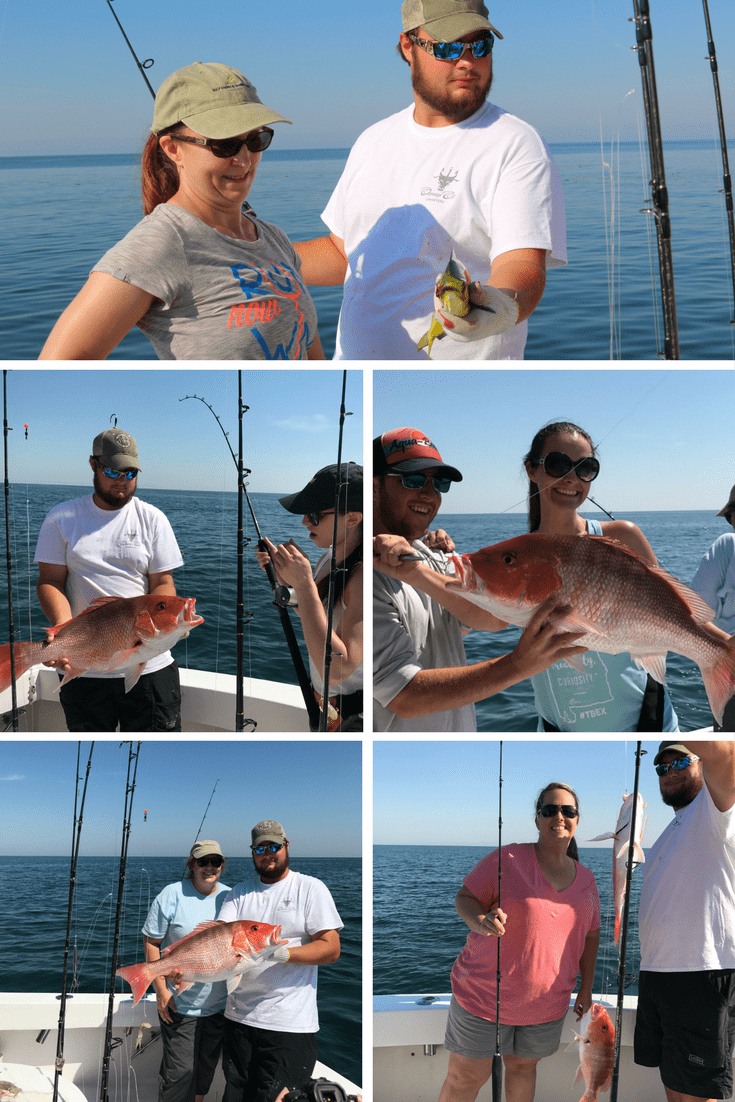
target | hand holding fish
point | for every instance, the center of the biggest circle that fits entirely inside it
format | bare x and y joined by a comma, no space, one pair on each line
542,643
467,311
56,663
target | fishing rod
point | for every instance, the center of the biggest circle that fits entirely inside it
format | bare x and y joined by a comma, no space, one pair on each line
72,884
127,817
205,813
659,192
281,593
142,65
726,178
497,1075
11,625
624,931
324,719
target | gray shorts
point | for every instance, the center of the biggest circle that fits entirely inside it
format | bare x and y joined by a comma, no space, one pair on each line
468,1035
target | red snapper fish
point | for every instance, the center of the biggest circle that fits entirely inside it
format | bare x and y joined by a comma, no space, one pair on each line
621,848
112,633
617,599
596,1041
213,952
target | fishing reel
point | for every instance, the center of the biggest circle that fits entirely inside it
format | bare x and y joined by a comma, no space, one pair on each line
319,1090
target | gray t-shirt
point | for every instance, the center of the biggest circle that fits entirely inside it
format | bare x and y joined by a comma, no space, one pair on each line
218,298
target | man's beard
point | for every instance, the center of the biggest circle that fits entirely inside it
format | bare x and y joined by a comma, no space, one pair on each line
684,794
458,105
281,865
114,500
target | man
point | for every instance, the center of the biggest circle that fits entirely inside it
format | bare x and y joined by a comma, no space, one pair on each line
272,1016
685,1024
451,177
421,680
110,544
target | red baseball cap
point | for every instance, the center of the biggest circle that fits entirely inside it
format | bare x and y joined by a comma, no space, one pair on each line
407,450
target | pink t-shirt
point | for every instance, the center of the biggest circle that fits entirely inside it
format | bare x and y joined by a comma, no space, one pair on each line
542,945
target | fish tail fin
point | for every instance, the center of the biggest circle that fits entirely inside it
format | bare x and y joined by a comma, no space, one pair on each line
139,977
617,928
25,654
435,332
719,682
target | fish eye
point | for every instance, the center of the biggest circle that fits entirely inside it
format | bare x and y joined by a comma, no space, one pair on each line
509,557
161,606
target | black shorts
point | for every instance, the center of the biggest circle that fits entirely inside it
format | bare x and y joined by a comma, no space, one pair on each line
259,1063
685,1027
100,703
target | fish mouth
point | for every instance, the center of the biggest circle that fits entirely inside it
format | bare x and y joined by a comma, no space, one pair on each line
188,613
275,937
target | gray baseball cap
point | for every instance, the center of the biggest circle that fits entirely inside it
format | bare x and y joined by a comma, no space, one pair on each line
446,20
116,449
267,831
213,99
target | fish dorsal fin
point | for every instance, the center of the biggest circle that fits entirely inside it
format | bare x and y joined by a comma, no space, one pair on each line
197,930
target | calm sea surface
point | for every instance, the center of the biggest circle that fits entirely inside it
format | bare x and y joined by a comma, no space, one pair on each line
205,525
33,922
679,540
414,888
60,214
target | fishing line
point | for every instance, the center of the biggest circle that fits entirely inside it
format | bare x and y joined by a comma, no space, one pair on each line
497,1072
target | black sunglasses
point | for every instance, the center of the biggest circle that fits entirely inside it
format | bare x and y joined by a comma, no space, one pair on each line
230,147
215,861
569,811
558,464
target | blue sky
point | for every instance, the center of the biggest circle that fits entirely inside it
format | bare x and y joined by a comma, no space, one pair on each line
68,83
293,423
661,443
256,780
452,797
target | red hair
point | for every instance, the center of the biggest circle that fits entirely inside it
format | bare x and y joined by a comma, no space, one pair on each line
159,175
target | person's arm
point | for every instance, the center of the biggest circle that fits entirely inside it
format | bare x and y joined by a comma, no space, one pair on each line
718,770
315,350
324,948
164,998
540,645
587,973
162,582
97,319
521,275
472,912
51,591
630,535
323,261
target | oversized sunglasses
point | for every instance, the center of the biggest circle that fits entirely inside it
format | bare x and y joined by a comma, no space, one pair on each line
418,481
230,147
558,464
129,474
677,765
451,51
314,518
549,810
215,861
269,847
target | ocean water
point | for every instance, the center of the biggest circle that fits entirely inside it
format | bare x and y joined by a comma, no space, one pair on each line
33,923
209,549
414,888
679,540
60,214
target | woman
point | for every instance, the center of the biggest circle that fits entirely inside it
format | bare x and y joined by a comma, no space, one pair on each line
613,694
715,582
201,275
192,1021
550,926
316,502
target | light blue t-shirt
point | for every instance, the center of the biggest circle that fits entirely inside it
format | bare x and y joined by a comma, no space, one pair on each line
715,581
175,912
608,696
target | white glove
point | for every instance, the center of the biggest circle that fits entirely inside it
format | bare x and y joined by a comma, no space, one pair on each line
491,312
282,953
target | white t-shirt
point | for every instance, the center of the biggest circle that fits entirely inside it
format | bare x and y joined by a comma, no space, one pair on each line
686,916
412,195
413,632
276,995
108,553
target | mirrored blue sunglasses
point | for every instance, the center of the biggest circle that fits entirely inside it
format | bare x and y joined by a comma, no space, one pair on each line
128,474
418,480
451,51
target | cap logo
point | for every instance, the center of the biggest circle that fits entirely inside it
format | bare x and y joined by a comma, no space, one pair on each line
407,443
122,440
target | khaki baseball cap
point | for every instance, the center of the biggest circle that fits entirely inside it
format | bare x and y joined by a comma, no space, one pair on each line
213,99
446,20
116,449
